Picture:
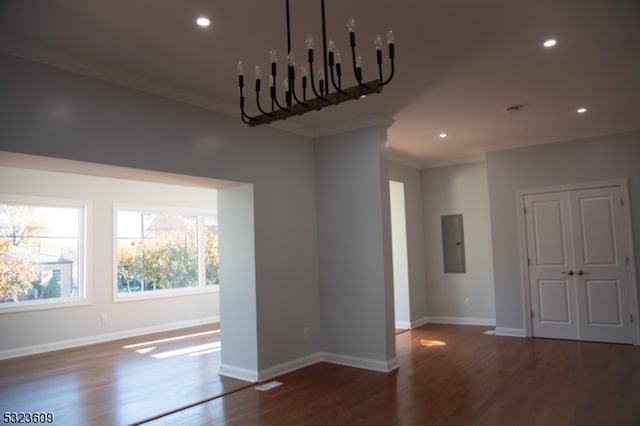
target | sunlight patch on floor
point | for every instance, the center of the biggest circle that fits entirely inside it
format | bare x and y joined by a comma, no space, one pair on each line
187,350
170,339
431,343
145,350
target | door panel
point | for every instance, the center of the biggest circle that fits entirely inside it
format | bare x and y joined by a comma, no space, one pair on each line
597,230
603,302
552,289
554,301
602,285
549,235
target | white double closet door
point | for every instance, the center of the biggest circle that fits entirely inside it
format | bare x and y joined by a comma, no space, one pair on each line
577,255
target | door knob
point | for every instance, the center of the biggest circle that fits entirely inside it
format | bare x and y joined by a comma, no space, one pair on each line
570,273
581,272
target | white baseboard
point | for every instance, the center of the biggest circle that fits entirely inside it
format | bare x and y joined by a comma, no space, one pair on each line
305,361
102,338
289,366
239,373
511,332
403,325
462,321
357,362
419,322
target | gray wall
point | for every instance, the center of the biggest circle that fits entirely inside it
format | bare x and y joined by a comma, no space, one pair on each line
415,238
355,246
459,189
586,160
50,112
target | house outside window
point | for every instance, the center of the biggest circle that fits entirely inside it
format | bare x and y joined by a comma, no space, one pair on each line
164,252
41,252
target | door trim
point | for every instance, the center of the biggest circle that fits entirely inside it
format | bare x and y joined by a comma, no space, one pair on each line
522,240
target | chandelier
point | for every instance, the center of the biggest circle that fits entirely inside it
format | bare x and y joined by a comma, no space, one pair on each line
329,74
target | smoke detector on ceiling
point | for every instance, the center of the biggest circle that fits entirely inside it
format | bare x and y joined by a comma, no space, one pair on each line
512,109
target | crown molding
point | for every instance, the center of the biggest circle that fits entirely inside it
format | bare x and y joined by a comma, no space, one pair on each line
58,59
83,66
475,158
348,126
404,159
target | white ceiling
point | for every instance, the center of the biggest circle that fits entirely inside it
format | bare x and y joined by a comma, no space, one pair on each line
459,63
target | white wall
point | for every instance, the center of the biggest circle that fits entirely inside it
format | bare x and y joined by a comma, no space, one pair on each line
354,234
585,160
46,328
50,112
411,178
460,189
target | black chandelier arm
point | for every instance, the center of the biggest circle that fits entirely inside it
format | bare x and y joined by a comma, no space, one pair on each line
258,101
338,86
384,83
292,86
332,62
357,74
313,86
295,97
245,118
275,98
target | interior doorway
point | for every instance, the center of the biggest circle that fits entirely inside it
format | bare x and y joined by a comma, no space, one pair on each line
400,259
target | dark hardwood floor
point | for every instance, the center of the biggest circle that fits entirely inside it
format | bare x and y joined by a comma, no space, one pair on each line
120,382
448,375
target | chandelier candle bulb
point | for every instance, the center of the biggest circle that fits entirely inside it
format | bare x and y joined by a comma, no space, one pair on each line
258,73
240,76
351,26
377,42
327,93
391,41
309,42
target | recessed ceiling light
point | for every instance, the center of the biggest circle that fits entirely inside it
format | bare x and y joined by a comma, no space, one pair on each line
203,21
550,42
443,135
581,110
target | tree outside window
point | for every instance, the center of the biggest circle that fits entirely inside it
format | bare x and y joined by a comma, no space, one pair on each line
165,251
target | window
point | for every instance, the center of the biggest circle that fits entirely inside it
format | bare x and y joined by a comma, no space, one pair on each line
41,253
165,252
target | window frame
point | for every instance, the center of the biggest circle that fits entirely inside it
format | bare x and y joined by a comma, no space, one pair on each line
84,242
202,288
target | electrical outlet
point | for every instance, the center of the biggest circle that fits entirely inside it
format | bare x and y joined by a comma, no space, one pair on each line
467,301
104,318
306,332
